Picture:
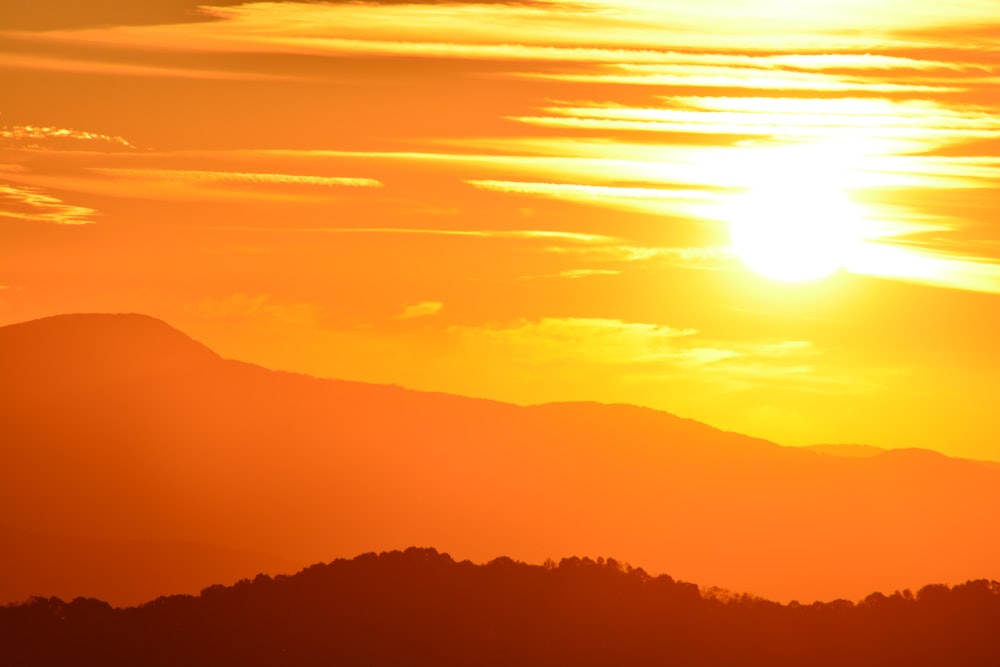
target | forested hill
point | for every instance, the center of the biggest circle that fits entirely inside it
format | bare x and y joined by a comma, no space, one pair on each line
419,607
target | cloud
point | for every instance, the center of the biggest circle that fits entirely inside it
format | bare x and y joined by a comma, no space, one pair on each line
589,246
577,192
240,178
663,201
72,14
832,73
689,76
934,171
645,352
853,118
87,66
595,162
574,274
422,309
523,234
827,24
546,30
242,307
710,257
666,175
21,203
196,185
850,61
592,340
31,134
926,266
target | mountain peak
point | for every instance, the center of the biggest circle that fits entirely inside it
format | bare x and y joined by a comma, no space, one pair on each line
89,339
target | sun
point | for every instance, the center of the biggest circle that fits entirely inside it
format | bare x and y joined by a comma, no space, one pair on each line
794,227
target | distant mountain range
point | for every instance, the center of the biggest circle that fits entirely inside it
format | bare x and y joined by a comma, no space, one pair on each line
128,444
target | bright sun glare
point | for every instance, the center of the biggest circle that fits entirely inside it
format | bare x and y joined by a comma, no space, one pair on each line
794,226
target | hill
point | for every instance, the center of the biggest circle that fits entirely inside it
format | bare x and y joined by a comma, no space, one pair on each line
120,428
420,607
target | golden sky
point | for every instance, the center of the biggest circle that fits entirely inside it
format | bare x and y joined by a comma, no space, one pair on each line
777,218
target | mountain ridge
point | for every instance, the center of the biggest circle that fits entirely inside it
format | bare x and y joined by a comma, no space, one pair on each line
192,447
186,349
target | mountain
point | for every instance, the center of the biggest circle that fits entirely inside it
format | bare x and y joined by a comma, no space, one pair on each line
419,607
120,428
860,451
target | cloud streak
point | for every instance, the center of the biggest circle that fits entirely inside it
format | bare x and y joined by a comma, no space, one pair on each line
32,133
900,262
577,192
729,78
855,118
243,307
11,60
21,203
422,309
521,234
241,178
650,352
199,185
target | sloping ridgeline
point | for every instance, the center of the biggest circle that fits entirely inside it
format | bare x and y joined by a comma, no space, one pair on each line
135,462
419,607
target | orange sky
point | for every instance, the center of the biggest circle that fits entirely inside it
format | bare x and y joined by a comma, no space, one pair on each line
531,201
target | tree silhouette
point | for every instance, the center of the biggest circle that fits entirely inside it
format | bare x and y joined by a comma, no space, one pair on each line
420,607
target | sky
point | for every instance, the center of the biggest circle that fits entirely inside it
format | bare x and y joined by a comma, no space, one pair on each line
776,218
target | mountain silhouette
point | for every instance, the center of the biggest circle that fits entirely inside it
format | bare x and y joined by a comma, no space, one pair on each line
860,451
420,607
118,428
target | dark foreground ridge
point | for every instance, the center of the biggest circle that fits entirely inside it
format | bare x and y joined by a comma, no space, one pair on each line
420,607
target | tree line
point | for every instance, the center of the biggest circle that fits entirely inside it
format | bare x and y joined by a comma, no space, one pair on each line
420,607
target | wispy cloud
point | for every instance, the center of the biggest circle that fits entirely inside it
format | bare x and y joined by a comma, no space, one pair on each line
854,118
927,266
686,76
199,185
571,161
834,74
11,60
241,178
240,307
646,352
575,273
35,133
670,201
829,24
594,340
709,257
934,171
422,309
547,31
576,191
21,203
524,234
587,246
69,14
